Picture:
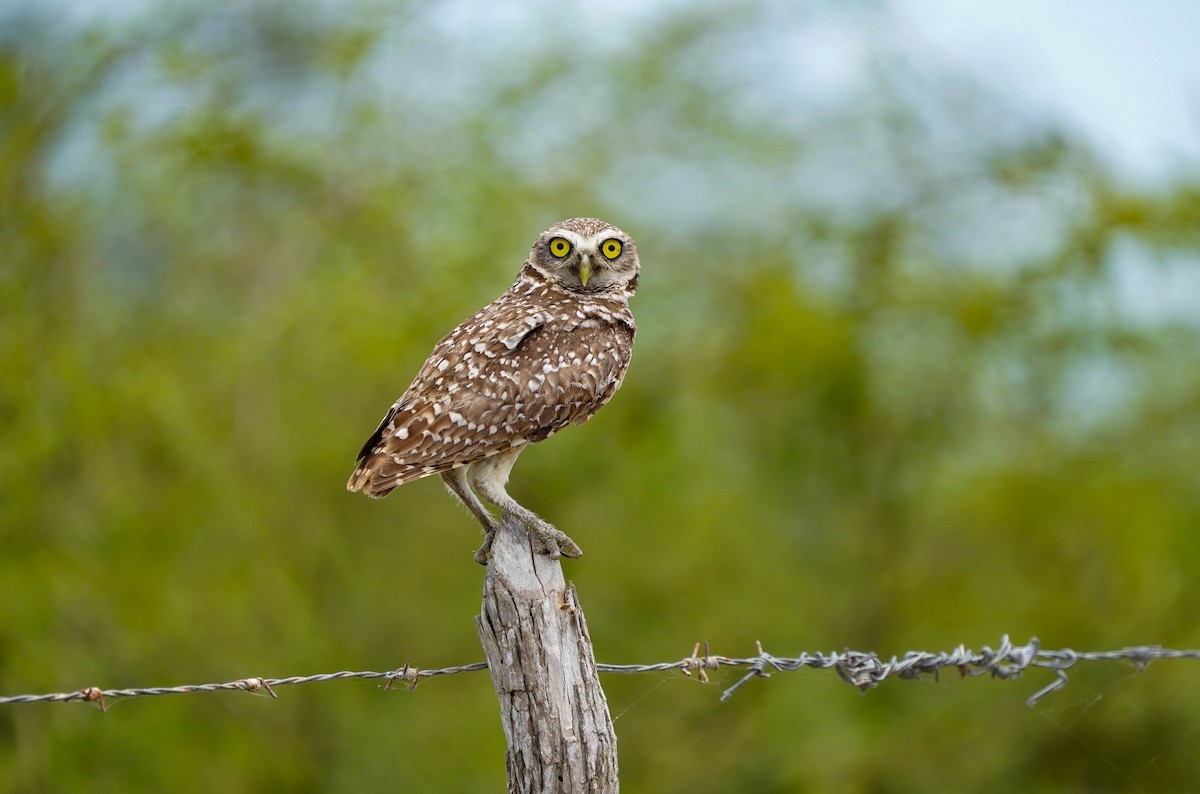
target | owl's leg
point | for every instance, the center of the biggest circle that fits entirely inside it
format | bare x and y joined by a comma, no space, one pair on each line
489,476
456,483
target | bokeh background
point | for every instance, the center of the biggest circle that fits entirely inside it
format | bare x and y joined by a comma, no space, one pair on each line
919,365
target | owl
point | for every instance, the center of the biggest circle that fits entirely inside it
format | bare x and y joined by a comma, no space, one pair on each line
549,352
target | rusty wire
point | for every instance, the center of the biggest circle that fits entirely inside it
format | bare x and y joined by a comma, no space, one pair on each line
864,670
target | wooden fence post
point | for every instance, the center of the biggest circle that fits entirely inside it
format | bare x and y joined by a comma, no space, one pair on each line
539,654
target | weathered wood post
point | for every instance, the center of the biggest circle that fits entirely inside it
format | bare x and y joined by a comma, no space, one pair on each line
560,736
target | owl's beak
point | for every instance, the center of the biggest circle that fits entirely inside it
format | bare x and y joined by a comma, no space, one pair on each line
585,269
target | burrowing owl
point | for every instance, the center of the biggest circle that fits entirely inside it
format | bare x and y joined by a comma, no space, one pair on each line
549,352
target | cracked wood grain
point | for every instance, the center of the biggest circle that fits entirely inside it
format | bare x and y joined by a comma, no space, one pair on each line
555,717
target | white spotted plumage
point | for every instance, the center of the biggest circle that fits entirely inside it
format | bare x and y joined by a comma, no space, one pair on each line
549,352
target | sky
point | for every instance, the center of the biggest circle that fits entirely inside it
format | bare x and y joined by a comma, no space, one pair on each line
1126,73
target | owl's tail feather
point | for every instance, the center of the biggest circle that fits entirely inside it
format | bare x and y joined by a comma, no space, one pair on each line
363,479
378,475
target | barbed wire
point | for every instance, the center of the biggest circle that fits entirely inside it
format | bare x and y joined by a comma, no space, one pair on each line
862,669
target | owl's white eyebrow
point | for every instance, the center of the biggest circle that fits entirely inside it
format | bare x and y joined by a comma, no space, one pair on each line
569,235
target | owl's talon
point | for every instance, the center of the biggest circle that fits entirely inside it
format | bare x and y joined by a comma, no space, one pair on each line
553,542
484,552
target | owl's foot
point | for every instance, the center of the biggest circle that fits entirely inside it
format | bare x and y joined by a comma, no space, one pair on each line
485,551
550,540
546,538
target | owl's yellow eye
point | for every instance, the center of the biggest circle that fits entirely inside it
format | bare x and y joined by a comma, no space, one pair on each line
611,249
560,247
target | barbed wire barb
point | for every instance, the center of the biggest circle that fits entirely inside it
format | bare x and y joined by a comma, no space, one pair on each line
863,670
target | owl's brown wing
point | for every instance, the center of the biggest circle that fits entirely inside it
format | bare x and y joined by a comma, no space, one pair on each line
476,396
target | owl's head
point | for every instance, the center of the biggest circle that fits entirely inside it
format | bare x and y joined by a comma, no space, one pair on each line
589,256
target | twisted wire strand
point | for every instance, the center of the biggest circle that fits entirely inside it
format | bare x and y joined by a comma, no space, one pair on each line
862,669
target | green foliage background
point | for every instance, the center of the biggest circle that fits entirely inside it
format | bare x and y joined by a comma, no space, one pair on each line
915,369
